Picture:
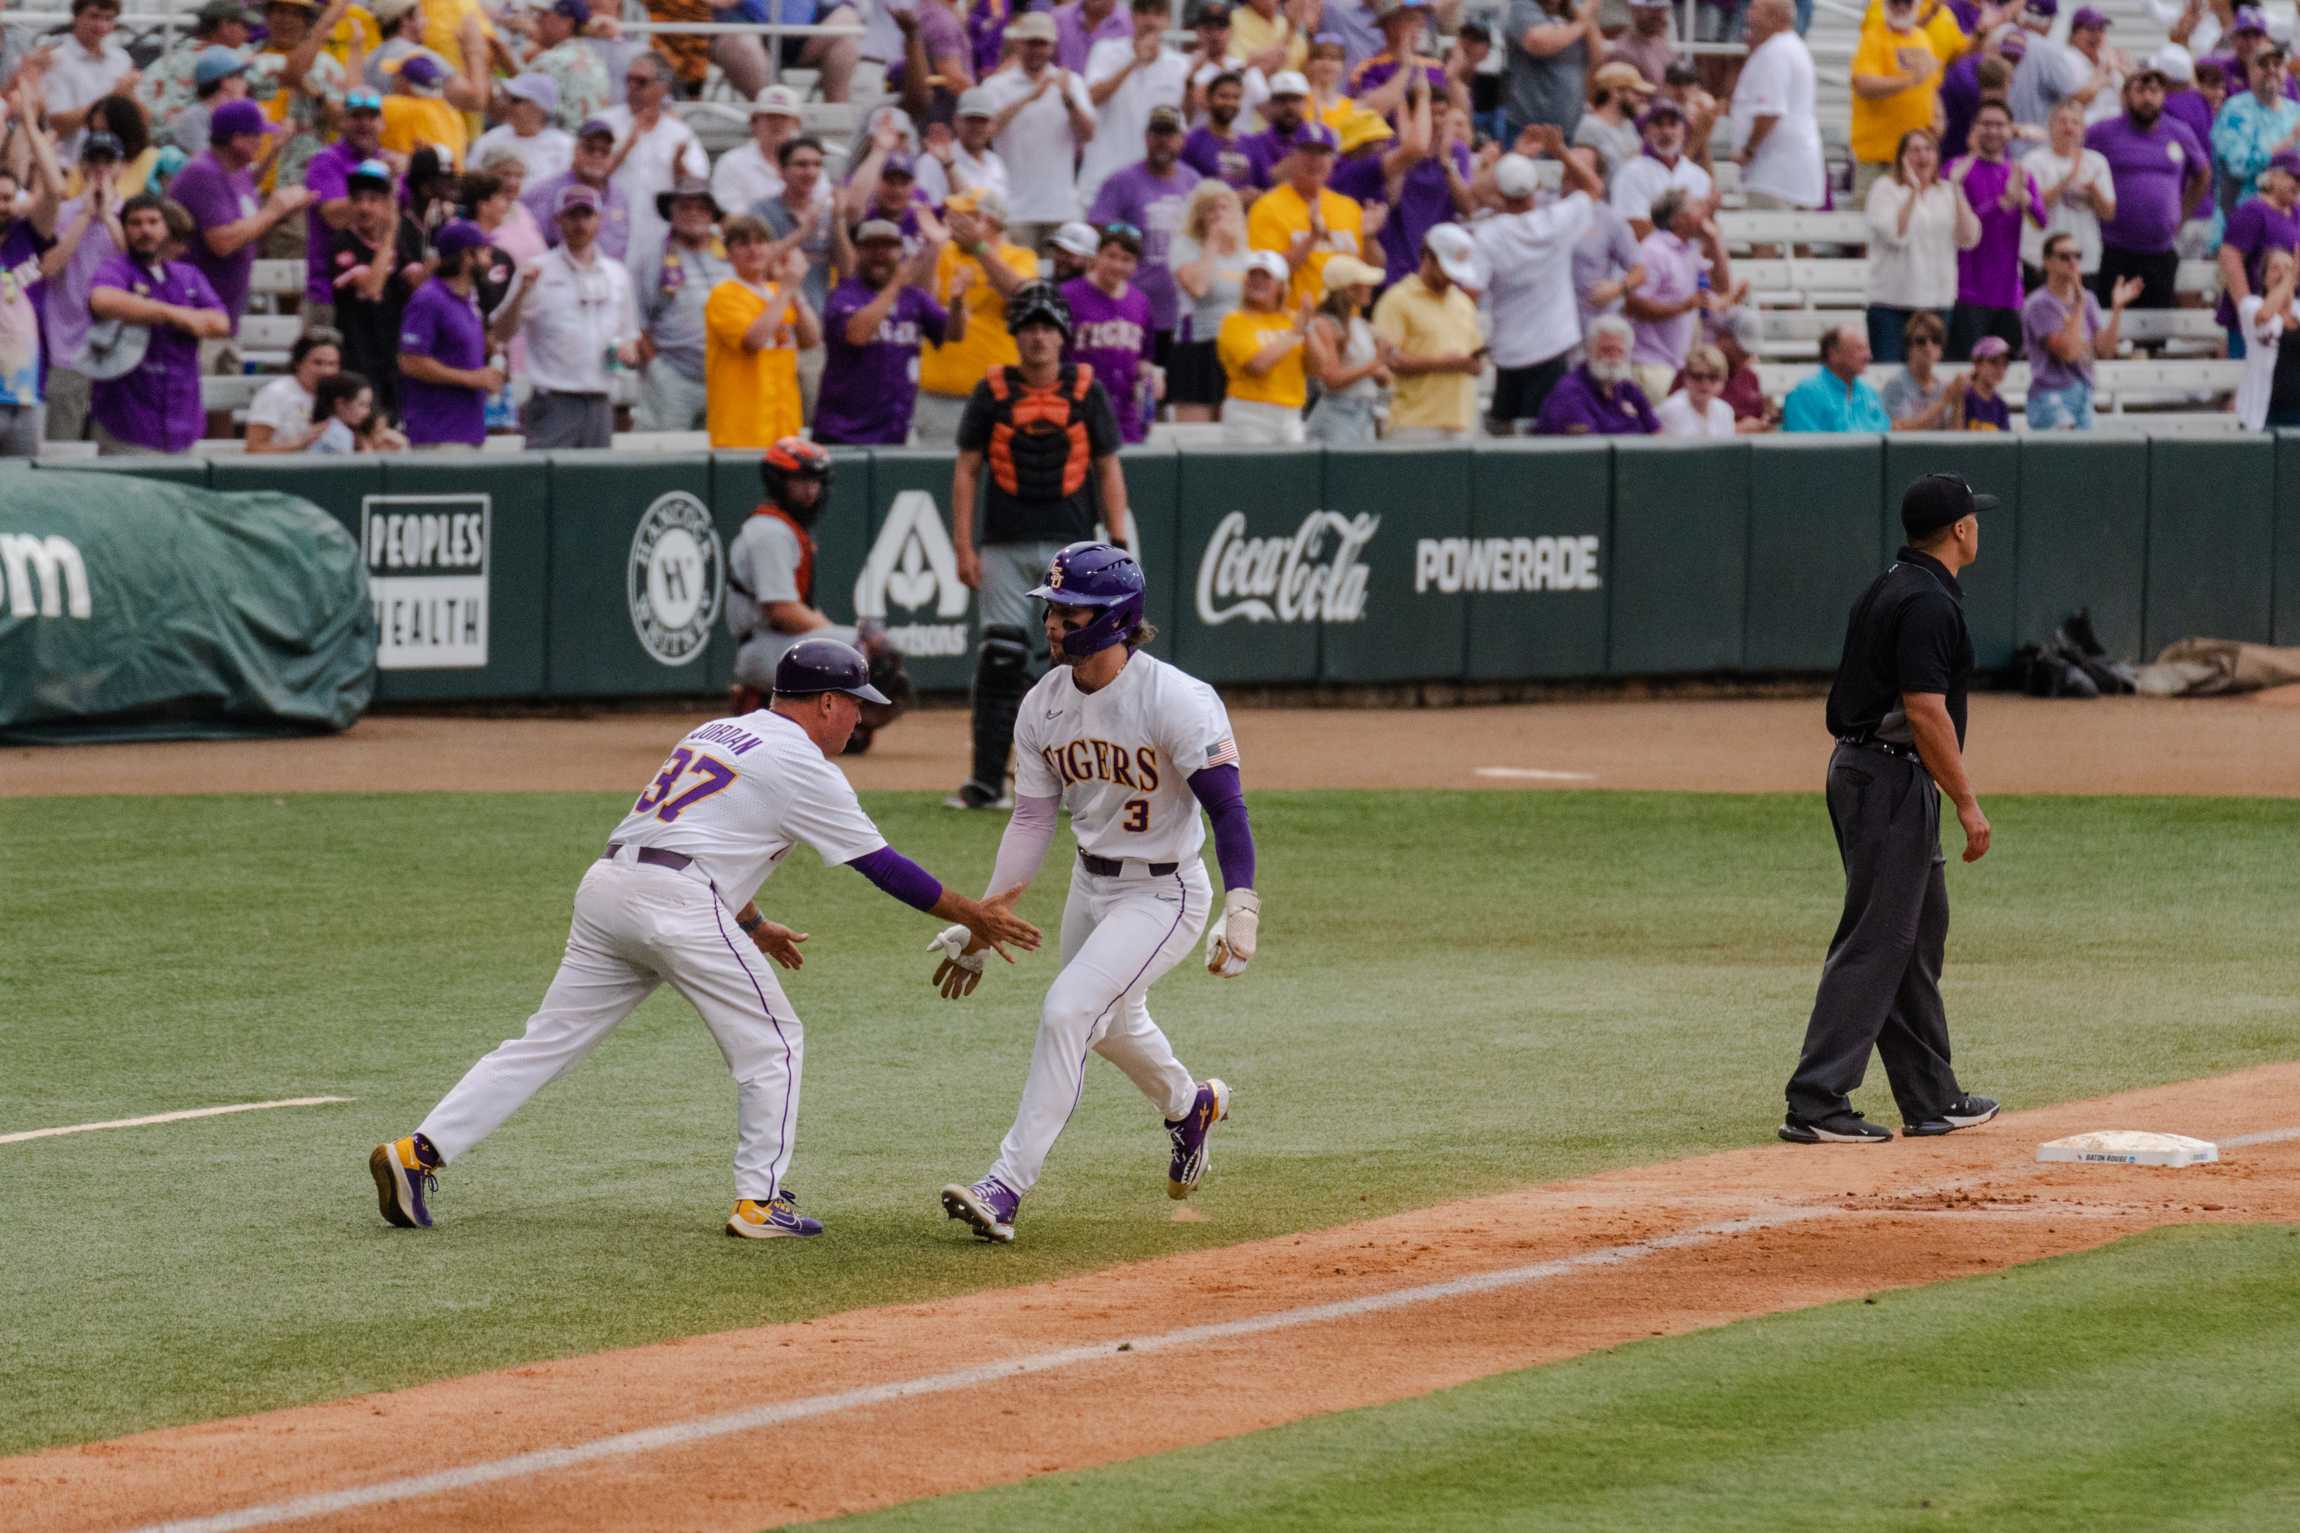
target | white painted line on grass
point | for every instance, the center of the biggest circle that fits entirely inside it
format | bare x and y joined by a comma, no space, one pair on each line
1536,774
686,1433
2267,1136
167,1117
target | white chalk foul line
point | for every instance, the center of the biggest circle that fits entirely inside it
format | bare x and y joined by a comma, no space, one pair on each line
1536,774
2270,1136
167,1117
686,1433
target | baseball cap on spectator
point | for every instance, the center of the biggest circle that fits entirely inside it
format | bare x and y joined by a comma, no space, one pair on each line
982,201
1209,13
972,102
99,145
1662,5
362,100
596,127
1269,263
1991,346
1288,82
1664,107
458,234
2041,10
373,173
576,195
219,63
2286,160
1621,75
1383,10
1936,500
1362,127
1347,271
389,11
1456,254
540,89
2087,16
2175,63
235,118
1036,27
1165,119
229,10
2249,18
1317,138
1078,239
898,164
877,230
421,73
1516,176
1746,328
577,11
688,186
776,101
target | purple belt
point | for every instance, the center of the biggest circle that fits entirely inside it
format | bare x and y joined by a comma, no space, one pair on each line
1111,867
653,856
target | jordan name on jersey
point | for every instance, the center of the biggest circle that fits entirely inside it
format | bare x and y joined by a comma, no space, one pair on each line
1135,768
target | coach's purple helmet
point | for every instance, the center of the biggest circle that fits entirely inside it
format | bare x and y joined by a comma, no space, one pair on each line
1095,575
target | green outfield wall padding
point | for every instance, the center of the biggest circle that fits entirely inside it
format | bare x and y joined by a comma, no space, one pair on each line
842,536
2082,534
1263,561
638,575
2211,540
1813,512
910,569
1153,480
1405,513
1680,556
512,584
1536,567
1991,463
185,470
337,485
2287,598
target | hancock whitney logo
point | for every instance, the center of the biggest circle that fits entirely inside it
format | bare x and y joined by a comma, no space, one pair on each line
912,576
677,578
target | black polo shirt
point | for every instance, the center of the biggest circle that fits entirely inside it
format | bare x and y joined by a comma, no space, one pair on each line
1907,634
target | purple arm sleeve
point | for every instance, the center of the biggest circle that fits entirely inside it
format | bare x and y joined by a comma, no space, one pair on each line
897,875
1217,788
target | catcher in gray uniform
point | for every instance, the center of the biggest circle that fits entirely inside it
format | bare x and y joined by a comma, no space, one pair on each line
770,590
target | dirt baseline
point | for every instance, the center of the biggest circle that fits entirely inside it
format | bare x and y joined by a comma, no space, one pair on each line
2017,745
888,1405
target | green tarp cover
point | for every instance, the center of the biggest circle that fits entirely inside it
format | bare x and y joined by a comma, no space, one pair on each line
136,609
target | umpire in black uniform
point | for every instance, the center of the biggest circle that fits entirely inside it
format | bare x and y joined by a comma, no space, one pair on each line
1897,709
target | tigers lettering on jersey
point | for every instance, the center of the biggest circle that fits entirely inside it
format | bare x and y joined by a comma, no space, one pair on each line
1108,335
1102,761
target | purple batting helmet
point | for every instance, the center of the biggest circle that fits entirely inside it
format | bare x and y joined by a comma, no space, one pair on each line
813,666
1100,576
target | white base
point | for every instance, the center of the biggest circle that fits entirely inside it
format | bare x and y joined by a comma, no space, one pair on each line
2127,1147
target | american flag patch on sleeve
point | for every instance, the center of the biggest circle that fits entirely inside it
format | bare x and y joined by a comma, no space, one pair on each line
1223,752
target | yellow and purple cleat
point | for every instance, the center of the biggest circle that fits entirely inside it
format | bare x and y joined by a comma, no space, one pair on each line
404,1170
773,1219
1189,1134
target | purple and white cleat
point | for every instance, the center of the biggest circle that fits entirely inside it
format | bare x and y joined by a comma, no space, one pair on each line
988,1205
1190,1133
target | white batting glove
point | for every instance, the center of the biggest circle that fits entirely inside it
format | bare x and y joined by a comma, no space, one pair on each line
1230,940
960,971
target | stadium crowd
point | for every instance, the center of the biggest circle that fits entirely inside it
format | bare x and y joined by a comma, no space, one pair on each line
1332,220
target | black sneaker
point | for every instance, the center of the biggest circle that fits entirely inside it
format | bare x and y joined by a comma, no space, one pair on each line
1967,1111
1837,1128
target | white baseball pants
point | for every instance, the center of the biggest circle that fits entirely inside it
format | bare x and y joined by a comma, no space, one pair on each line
1118,936
637,926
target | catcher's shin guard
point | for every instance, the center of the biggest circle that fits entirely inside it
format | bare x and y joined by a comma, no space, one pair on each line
1001,677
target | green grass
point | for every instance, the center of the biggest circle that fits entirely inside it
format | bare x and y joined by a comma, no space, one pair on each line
1458,992
2150,1385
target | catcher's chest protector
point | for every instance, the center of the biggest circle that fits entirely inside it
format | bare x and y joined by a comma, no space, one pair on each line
1038,442
805,574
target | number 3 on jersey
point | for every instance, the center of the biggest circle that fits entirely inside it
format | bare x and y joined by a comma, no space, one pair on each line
1137,817
715,775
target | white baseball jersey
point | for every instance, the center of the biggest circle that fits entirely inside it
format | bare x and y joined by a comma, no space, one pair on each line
738,793
1121,758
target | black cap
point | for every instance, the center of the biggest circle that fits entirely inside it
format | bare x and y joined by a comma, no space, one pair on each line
99,143
1937,500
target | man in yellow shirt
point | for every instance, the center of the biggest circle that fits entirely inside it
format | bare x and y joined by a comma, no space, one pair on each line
415,113
947,374
1260,348
1426,327
754,327
1303,221
1896,86
1266,35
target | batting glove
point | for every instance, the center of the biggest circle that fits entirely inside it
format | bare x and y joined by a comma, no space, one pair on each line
960,971
1230,940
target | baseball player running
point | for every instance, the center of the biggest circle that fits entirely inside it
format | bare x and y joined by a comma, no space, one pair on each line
1132,748
661,904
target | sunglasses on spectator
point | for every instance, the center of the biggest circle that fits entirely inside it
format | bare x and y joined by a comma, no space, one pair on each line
1694,377
1122,231
1924,340
2062,255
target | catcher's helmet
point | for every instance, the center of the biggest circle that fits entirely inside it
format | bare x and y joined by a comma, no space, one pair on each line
824,665
794,457
1038,303
1095,575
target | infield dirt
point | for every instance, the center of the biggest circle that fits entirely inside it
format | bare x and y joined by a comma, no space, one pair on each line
1823,1224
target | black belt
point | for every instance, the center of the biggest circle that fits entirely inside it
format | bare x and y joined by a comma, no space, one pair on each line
1113,867
1886,747
653,856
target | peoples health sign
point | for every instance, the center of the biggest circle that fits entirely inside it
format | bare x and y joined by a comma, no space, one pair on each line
427,559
